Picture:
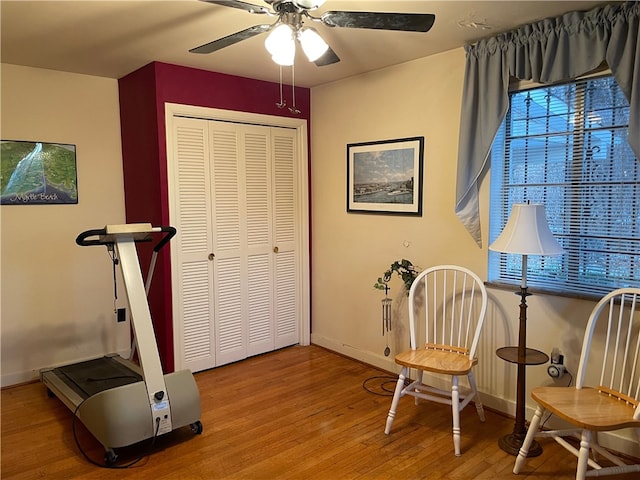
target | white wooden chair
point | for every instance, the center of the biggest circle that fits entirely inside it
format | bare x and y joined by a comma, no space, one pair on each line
609,359
447,307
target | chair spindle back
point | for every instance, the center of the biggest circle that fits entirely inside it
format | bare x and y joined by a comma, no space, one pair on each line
612,343
453,308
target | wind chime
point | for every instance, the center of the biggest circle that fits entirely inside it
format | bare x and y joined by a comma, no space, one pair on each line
386,318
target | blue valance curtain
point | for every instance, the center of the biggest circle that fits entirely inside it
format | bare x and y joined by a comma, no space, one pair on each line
549,51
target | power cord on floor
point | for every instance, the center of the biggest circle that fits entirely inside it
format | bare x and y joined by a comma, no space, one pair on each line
383,380
90,460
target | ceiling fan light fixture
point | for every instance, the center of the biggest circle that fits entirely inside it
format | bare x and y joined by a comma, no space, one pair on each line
284,58
289,28
312,43
309,4
281,45
280,38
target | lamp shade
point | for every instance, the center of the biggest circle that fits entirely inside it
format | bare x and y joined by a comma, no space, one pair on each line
281,44
527,232
312,43
310,4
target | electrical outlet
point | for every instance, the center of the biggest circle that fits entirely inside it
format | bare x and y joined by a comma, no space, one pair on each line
121,314
557,368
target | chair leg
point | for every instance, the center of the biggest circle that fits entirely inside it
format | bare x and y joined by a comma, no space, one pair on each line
419,376
583,456
531,433
478,402
396,398
455,410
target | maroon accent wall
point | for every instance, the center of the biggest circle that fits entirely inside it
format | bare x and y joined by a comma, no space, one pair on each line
143,94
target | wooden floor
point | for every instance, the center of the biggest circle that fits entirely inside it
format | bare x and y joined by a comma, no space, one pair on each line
299,413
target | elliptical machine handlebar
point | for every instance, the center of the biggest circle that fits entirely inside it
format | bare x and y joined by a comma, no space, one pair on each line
141,232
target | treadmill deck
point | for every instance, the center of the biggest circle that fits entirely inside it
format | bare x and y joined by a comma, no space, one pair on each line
77,382
97,375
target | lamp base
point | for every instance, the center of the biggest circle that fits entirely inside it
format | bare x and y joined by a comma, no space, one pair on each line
512,442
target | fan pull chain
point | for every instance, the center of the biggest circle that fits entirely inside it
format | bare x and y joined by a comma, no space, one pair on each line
282,103
293,108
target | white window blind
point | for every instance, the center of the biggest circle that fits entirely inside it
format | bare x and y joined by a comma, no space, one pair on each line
565,146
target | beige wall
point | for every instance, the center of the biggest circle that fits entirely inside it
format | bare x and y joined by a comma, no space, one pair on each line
350,251
56,297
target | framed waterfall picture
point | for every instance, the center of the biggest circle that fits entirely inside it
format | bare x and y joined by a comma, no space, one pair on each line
385,176
37,173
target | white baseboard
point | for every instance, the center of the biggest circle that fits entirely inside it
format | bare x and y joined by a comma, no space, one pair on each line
613,440
370,358
9,379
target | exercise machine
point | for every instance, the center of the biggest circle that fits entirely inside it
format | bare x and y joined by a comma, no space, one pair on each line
119,401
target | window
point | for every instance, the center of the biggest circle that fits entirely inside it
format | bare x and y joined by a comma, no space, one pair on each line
566,146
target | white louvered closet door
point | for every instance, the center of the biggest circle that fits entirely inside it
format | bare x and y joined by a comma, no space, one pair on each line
227,232
284,231
234,204
254,239
192,266
259,218
242,218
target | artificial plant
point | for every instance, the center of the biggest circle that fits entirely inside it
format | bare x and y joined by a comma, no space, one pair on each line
405,270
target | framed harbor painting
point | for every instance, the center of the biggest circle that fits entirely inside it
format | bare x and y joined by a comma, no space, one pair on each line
385,176
37,173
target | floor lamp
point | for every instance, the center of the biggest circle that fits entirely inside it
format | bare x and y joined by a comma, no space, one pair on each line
526,233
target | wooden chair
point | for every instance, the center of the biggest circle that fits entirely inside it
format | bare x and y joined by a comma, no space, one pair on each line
609,359
452,302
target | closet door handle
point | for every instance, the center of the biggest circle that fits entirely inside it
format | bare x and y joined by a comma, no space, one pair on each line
211,257
275,249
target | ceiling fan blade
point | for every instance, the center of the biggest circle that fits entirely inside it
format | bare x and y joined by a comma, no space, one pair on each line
231,39
249,7
408,22
329,57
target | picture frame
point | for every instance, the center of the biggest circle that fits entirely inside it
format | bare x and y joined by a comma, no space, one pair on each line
37,173
385,177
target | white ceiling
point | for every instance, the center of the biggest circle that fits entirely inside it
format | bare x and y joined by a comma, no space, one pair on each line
113,38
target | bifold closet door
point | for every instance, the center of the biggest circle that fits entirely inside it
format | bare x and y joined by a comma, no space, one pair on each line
192,249
256,267
235,208
285,229
243,267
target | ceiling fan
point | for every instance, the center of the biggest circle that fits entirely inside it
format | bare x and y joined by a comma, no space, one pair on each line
289,28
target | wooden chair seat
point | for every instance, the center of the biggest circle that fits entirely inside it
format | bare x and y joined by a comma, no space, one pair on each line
436,360
591,408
